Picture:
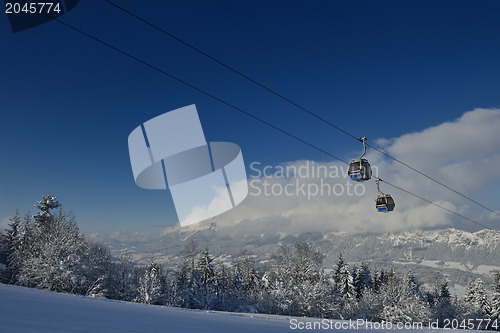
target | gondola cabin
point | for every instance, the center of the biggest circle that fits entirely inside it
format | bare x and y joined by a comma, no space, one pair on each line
360,170
385,203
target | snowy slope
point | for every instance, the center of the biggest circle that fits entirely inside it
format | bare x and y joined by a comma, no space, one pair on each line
31,310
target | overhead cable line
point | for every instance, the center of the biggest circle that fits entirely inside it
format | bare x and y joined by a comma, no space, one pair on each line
295,104
241,110
435,204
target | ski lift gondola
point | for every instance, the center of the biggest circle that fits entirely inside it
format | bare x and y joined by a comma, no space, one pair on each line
384,202
359,169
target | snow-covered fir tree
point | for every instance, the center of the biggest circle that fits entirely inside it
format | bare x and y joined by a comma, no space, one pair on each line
344,285
370,305
47,251
246,283
124,279
8,248
476,298
98,258
54,259
401,300
310,286
362,279
186,279
277,283
444,307
150,289
495,297
377,279
205,295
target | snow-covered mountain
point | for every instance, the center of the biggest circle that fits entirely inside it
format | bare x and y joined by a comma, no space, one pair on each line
458,254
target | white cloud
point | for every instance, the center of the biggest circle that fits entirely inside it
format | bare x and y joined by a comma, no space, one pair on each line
463,153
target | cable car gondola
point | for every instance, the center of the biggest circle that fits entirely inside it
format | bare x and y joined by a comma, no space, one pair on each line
359,169
384,202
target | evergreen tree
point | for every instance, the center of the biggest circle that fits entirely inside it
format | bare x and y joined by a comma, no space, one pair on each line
401,301
476,298
246,284
377,279
47,251
8,248
279,283
362,279
344,285
436,283
495,298
53,259
124,279
151,284
370,305
186,280
445,308
205,294
310,288
98,261
411,282
246,273
226,296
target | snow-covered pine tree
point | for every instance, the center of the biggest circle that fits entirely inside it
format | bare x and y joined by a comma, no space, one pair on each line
124,279
205,294
310,287
362,279
474,303
482,301
53,259
436,283
96,265
377,280
370,305
19,248
444,307
151,284
8,248
47,251
185,282
246,282
411,282
495,297
476,297
469,297
279,289
344,285
227,299
401,300
44,217
246,273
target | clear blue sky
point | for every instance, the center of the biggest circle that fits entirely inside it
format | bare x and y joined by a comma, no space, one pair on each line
379,69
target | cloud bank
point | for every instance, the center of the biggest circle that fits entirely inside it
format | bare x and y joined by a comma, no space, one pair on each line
463,153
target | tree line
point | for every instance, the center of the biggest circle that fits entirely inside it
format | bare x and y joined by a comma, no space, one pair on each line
47,251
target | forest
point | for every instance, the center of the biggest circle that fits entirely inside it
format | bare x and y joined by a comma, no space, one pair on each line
47,251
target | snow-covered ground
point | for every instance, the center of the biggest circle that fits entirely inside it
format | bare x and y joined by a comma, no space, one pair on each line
31,310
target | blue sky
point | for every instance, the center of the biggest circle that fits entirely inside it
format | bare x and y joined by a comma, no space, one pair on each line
381,69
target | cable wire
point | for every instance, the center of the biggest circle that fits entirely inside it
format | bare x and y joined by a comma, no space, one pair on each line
433,179
245,112
295,104
435,204
199,90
